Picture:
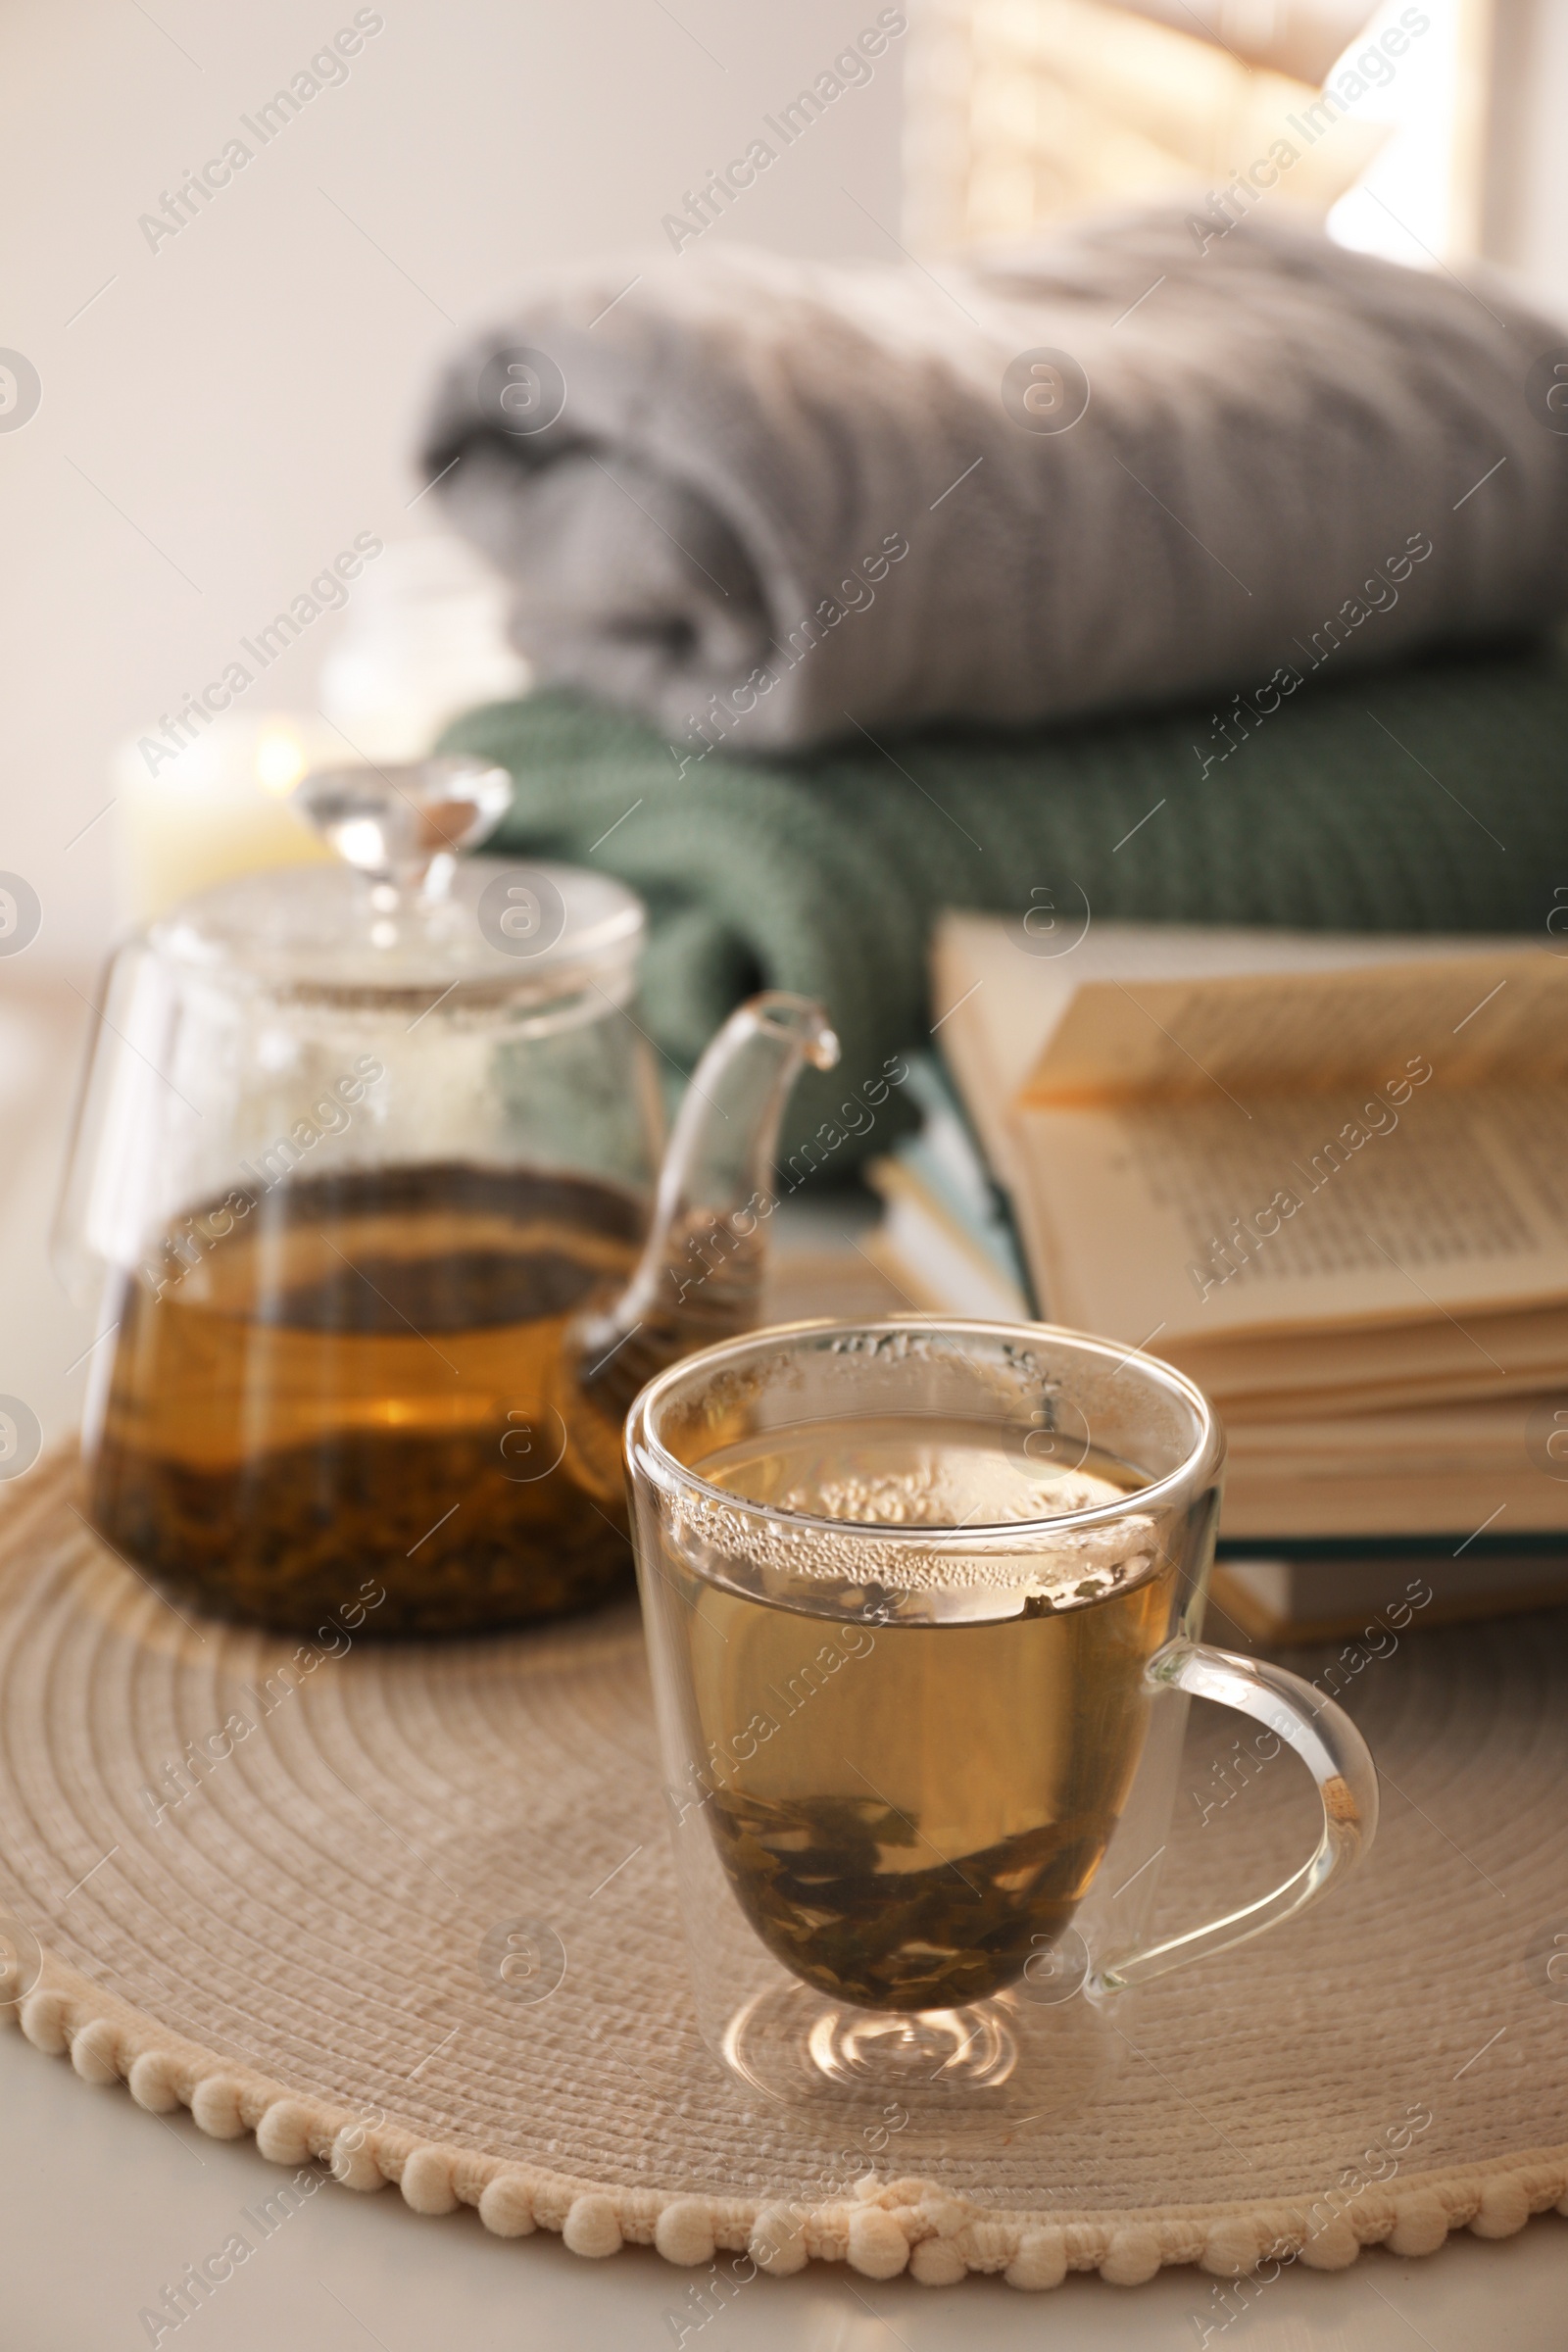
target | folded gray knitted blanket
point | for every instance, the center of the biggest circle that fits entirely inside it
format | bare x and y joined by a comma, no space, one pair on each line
765,501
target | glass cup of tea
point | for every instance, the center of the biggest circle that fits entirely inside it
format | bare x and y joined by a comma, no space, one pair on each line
923,1601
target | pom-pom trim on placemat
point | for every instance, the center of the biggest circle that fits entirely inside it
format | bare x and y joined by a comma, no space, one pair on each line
887,2227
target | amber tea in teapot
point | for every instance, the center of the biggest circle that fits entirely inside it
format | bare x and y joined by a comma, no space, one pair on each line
361,1382
372,1192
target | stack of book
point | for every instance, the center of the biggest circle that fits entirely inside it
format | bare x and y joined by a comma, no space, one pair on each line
1325,1176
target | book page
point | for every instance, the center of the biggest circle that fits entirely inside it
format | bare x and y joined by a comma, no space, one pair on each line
1209,1220
1382,1367
1001,988
1480,1436
1451,1504
1471,1018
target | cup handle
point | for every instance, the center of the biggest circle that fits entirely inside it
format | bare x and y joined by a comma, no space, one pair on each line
1334,1753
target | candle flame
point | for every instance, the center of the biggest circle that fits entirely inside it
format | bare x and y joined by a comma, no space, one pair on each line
279,763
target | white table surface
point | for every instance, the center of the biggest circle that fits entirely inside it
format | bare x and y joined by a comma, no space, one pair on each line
101,2205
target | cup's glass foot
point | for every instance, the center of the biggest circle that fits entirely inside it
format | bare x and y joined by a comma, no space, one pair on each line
939,2050
942,2073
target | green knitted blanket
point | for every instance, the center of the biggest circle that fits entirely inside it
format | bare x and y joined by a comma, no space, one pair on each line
1428,798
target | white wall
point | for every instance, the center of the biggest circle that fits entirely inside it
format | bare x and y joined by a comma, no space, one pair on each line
235,406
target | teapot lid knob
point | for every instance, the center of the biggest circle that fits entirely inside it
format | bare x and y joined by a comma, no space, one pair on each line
404,826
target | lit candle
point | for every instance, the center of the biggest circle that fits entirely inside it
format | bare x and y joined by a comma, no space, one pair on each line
218,807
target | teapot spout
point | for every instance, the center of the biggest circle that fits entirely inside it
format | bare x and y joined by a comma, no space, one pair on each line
699,1277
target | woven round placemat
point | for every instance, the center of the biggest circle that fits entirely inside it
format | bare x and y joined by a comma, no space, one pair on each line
296,1928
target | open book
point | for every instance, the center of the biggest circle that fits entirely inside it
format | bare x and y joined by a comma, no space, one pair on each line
1327,1176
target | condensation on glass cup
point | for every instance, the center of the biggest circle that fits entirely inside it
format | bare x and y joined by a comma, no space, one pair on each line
923,1601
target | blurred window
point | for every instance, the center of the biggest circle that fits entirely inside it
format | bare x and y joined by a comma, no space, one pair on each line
1378,120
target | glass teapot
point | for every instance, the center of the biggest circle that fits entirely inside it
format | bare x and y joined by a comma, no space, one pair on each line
367,1170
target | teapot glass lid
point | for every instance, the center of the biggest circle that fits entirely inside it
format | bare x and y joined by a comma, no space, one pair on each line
404,909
